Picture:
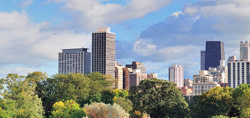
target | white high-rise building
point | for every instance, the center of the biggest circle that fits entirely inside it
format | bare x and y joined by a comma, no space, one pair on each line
244,51
119,76
238,70
176,75
74,61
238,73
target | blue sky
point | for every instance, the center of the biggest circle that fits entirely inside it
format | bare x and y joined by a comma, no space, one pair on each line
158,33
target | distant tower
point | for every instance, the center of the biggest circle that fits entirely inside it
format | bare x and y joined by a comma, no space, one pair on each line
76,60
119,76
214,53
244,51
103,51
203,56
176,75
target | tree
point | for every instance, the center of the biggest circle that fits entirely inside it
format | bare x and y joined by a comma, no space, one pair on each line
69,109
22,93
101,110
62,88
126,104
73,86
217,101
159,98
7,108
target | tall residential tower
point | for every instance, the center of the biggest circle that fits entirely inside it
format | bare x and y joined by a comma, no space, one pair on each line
176,75
244,51
103,51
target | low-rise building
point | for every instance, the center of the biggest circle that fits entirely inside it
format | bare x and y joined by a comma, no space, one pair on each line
186,91
188,83
151,75
203,82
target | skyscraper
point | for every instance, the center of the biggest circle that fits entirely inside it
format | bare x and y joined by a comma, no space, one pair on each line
103,51
76,60
238,73
176,75
203,55
119,76
214,53
244,51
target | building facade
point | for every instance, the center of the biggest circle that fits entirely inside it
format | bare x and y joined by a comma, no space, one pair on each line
203,57
74,61
137,74
126,78
151,75
214,53
188,83
176,75
238,73
119,76
244,51
103,51
203,82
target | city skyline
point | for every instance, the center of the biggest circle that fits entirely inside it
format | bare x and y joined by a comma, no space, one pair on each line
168,32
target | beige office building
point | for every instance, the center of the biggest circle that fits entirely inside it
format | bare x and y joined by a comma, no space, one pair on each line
119,76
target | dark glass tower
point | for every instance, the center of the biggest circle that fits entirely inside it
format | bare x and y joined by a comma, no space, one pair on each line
214,53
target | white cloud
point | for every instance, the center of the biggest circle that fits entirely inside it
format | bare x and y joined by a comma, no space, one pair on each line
24,42
26,3
182,35
91,14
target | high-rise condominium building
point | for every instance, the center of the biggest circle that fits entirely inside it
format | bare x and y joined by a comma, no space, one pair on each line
238,73
119,76
203,55
176,75
238,70
214,53
244,51
103,51
74,61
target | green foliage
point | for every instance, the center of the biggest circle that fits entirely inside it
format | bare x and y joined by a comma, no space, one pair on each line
7,108
89,89
126,104
217,101
108,96
62,88
159,98
22,93
105,80
69,109
101,110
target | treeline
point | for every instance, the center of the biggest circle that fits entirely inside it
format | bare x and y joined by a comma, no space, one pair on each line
92,95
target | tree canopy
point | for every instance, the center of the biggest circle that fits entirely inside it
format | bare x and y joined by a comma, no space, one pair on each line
159,98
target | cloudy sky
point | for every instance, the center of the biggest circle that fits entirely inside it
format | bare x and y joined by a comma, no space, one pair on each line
158,33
